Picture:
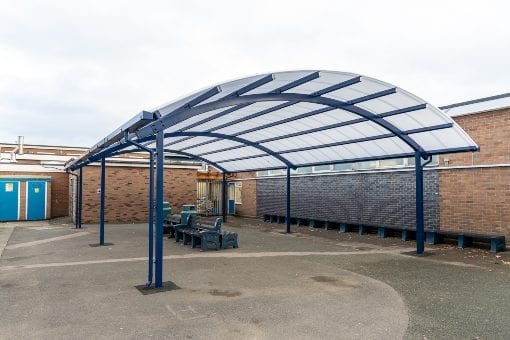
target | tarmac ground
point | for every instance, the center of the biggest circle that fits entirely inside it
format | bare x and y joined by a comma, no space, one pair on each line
56,283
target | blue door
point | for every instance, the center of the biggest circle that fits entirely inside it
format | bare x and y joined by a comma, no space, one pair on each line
36,200
9,200
231,198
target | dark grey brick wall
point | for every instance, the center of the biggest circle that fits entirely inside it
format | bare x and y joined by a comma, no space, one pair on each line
371,198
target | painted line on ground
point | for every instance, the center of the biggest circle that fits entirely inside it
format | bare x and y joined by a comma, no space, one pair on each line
203,255
46,240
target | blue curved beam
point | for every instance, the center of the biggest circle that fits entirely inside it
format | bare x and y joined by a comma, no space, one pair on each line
170,119
121,145
286,87
217,166
246,142
232,138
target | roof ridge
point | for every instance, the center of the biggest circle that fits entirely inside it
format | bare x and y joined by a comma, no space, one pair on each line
475,101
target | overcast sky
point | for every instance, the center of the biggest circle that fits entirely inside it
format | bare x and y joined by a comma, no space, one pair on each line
73,71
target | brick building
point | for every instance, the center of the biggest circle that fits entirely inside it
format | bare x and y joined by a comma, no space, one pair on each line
22,164
126,183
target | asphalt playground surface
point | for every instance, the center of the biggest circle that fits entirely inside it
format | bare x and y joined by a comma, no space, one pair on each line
56,283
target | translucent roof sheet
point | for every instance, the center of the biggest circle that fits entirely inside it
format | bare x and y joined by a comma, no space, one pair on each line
292,119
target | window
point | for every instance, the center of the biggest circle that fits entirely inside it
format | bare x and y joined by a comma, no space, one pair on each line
391,162
318,168
343,166
304,170
434,162
367,165
238,193
275,172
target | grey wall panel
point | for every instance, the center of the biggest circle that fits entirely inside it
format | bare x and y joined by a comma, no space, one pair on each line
371,198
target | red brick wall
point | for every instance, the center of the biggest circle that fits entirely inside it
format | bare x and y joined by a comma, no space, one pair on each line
59,195
475,200
249,194
478,199
127,190
23,201
491,131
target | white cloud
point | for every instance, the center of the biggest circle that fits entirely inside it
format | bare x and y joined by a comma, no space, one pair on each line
72,72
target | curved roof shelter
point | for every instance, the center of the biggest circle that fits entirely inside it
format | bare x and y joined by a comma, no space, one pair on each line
292,119
277,121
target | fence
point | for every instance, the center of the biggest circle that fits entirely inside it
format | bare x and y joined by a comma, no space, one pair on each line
209,197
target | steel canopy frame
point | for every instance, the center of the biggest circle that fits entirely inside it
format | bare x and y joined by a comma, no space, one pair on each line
319,88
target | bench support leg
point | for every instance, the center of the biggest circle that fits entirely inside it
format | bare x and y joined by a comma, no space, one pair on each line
432,237
362,229
381,232
497,244
463,241
343,228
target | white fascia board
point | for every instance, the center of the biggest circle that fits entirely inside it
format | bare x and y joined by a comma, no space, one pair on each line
13,167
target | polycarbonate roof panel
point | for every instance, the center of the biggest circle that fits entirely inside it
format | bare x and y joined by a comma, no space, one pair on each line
390,102
365,87
322,120
213,124
272,118
184,125
267,162
291,119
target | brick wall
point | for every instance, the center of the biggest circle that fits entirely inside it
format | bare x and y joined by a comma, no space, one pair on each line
491,131
371,198
23,201
59,195
127,190
475,200
478,199
249,194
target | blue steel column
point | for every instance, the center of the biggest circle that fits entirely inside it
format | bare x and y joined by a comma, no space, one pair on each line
151,219
420,224
80,196
101,209
159,209
287,218
75,201
224,197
